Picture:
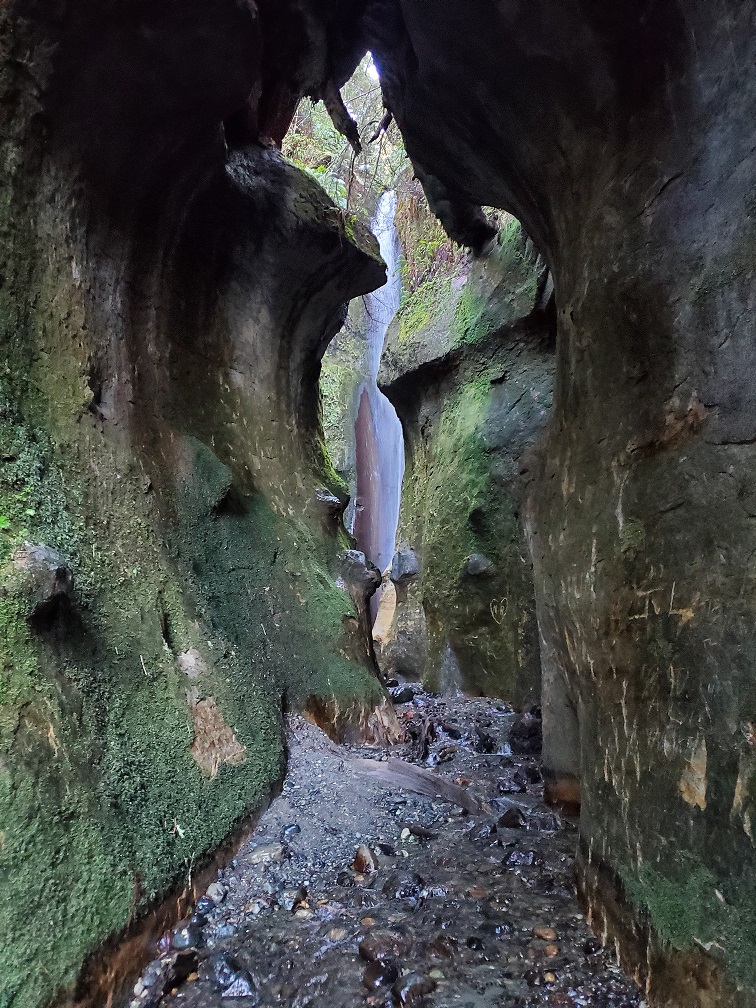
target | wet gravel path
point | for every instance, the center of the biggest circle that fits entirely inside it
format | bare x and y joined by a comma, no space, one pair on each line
354,891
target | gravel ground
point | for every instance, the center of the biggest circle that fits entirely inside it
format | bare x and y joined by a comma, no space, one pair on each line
357,891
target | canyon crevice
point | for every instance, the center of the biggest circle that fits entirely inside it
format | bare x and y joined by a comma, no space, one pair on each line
175,573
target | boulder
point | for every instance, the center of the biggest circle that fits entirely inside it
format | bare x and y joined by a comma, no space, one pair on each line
405,565
478,565
42,575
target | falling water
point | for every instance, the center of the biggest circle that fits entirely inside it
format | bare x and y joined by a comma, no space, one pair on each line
378,432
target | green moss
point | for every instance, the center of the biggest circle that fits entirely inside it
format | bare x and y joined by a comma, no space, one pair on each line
420,306
471,323
692,908
453,501
267,586
341,373
508,291
103,807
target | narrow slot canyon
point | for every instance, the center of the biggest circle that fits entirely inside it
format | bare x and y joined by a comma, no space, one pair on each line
377,433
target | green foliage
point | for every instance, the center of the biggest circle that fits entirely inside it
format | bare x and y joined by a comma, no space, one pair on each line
427,252
314,144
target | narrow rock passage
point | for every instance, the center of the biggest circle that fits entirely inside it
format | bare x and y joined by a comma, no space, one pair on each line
354,891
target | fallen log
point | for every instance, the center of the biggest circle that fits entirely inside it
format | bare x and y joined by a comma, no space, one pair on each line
397,773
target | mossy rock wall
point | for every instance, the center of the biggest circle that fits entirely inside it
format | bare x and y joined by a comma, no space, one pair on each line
635,177
473,388
163,312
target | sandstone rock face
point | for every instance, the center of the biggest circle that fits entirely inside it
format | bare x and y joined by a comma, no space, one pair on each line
473,389
163,310
623,142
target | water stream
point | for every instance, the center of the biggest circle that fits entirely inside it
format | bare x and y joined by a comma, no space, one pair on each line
378,431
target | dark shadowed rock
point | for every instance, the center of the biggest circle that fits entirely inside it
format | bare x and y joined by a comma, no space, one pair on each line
379,946
381,973
332,507
525,735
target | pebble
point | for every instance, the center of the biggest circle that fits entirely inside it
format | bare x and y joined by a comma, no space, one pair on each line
230,977
411,989
288,899
487,743
185,938
443,946
421,832
266,854
216,892
512,819
404,885
242,987
365,861
382,945
545,934
289,832
520,858
402,694
380,974
482,832
513,782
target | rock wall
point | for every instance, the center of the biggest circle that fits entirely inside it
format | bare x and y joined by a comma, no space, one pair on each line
473,388
169,526
621,137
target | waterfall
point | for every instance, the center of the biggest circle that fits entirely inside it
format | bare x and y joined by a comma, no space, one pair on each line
378,431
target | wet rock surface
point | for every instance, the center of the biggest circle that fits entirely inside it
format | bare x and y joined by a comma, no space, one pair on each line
385,897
